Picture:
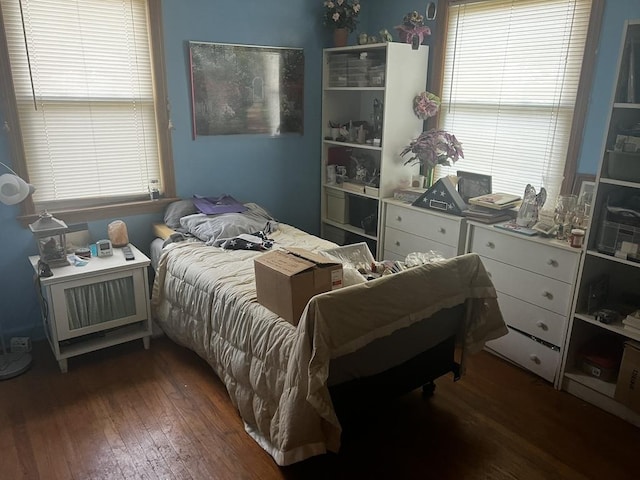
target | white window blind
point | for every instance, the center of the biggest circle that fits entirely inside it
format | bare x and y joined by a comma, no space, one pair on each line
88,124
511,75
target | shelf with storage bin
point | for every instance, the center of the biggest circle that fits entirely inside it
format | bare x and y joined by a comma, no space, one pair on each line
370,87
609,275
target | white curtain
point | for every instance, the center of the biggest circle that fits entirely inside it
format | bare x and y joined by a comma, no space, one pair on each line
100,302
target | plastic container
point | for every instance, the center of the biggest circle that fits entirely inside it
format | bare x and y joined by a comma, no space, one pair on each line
337,206
624,166
577,237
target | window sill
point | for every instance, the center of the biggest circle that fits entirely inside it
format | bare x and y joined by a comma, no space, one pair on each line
71,216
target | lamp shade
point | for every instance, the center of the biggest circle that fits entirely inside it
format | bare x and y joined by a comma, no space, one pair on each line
13,189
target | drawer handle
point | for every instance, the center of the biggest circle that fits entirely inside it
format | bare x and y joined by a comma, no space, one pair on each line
542,326
399,218
491,245
397,243
548,295
442,230
534,358
552,262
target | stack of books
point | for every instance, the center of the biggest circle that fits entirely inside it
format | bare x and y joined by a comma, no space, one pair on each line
632,322
492,207
496,201
488,215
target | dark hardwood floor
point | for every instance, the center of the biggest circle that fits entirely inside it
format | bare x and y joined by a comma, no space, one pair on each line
125,412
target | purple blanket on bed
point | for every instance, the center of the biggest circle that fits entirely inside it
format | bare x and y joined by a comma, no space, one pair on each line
218,205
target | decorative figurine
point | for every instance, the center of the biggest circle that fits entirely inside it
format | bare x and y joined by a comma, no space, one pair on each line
385,36
531,204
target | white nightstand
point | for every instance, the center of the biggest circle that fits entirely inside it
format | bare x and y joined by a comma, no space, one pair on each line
101,304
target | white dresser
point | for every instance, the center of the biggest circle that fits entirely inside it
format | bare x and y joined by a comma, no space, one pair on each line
410,229
535,279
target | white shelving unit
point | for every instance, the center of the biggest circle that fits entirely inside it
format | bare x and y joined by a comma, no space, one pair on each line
599,261
354,78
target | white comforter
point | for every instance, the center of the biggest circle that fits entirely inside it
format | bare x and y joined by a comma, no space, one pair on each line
204,298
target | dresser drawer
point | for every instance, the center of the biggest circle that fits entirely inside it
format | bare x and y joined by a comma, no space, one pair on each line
539,322
424,224
528,353
403,243
537,289
546,260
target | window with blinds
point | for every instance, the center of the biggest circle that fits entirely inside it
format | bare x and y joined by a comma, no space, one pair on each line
83,82
510,80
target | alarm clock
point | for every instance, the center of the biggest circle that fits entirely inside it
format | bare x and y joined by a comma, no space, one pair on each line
104,247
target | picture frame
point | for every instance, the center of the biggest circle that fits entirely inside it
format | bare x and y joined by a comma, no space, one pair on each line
246,89
583,187
472,185
579,179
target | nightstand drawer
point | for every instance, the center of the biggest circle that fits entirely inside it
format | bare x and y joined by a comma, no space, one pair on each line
557,263
528,353
403,243
424,224
532,288
526,317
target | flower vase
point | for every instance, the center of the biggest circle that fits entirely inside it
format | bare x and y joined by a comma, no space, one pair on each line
340,36
428,172
402,35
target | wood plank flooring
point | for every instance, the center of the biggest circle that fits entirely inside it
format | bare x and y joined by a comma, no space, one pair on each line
125,412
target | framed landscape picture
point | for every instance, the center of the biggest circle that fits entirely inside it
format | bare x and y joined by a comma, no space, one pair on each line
244,89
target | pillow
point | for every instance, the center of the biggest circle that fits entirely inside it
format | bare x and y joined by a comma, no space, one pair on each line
176,210
216,229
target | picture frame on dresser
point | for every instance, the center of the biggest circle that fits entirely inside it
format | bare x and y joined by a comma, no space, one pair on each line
473,184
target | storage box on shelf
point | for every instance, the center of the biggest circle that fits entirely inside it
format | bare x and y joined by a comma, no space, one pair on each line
368,90
628,385
609,275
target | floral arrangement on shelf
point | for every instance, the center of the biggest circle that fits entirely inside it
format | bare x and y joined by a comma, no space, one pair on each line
433,147
341,14
426,105
412,26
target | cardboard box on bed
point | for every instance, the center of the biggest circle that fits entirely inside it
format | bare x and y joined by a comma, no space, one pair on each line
286,280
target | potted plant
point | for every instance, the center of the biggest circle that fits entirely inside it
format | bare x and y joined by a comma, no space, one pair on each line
433,147
412,30
342,17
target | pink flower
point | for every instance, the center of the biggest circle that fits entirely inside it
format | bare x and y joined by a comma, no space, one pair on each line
433,147
426,105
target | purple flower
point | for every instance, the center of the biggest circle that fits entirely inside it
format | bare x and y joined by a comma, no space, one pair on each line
433,147
426,105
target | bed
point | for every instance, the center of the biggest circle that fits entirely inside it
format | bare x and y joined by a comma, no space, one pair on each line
364,342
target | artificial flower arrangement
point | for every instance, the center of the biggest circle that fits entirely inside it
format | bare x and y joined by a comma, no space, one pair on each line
413,26
426,105
341,14
433,147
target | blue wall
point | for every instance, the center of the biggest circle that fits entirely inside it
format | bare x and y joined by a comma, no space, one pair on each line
280,173
615,14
